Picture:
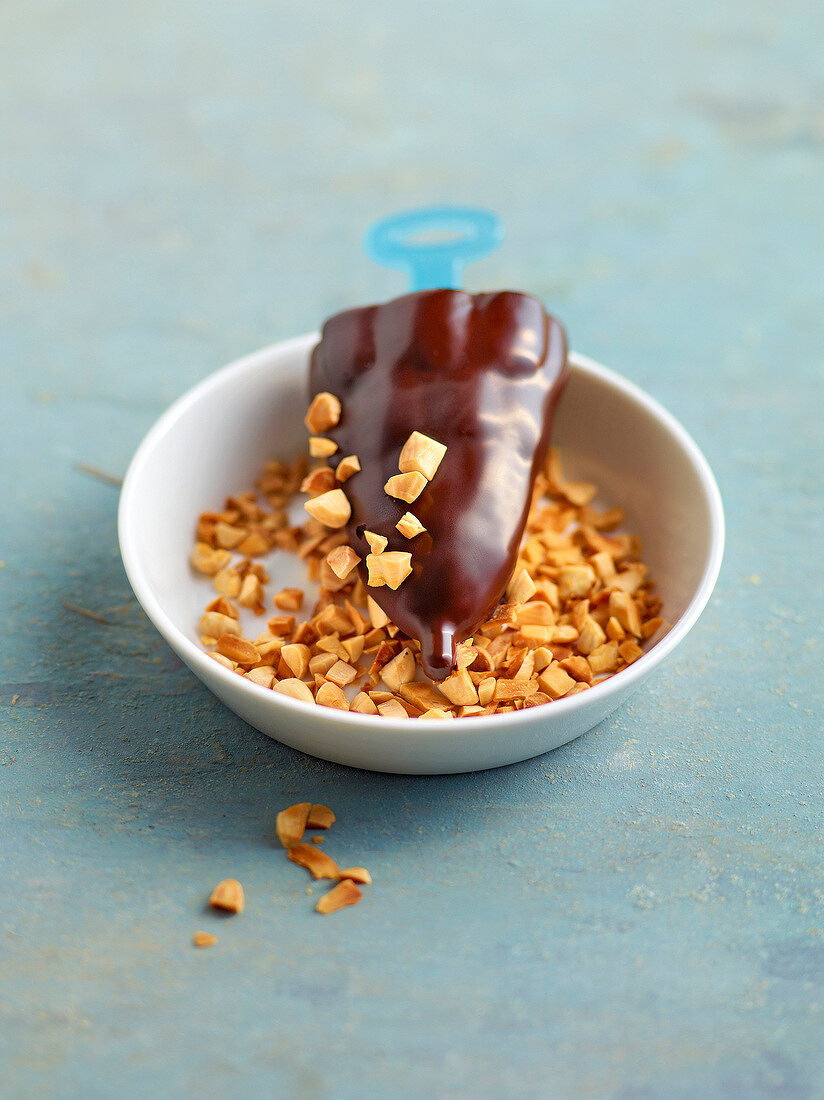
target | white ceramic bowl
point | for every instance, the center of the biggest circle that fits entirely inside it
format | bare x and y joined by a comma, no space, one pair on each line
213,441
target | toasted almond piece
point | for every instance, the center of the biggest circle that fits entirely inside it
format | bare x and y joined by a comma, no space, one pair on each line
622,607
538,699
207,560
555,682
520,588
542,657
421,454
204,939
321,663
578,668
320,817
290,824
353,646
535,613
400,670
318,863
320,447
357,874
377,616
362,704
436,713
288,599
281,625
629,580
323,413
227,582
228,537
239,650
614,631
223,606
332,508
342,561
296,657
264,675
575,581
458,689
294,688
318,481
330,695
392,709
221,660
604,566
410,526
253,545
390,568
346,467
251,593
630,651
519,688
342,674
377,543
407,487
339,897
228,895
604,658
420,694
590,636
651,626
486,690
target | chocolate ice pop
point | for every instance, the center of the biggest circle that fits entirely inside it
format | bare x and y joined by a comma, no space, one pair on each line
480,374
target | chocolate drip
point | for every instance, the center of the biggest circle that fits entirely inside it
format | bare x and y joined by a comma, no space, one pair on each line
480,373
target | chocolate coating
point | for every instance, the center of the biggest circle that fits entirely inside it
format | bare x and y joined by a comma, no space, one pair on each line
480,373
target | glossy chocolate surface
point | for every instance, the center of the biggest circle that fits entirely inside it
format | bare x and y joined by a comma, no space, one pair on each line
481,373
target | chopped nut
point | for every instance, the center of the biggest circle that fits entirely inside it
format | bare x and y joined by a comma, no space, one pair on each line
332,508
209,561
357,874
400,670
204,939
291,823
630,651
578,668
422,455
392,709
406,487
265,675
363,704
377,543
555,682
521,588
294,688
346,467
459,689
575,580
390,568
314,860
239,650
410,526
342,673
435,713
318,481
339,897
623,608
604,658
342,561
288,599
296,657
228,895
590,637
320,817
330,695
319,447
324,413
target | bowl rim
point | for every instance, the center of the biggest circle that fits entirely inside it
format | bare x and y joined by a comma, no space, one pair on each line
200,662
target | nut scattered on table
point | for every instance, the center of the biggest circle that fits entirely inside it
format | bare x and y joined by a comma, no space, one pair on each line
228,895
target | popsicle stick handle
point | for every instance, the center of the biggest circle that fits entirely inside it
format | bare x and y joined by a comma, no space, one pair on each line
434,244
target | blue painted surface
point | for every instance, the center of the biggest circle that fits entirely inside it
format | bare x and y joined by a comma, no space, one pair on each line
636,915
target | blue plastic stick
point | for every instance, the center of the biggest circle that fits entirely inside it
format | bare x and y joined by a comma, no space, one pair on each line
434,244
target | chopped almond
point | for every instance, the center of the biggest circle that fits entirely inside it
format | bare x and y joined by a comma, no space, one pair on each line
319,447
296,657
324,413
400,670
347,467
332,508
521,588
209,561
555,682
410,526
392,709
320,817
377,543
422,455
362,704
318,481
357,874
630,651
239,650
339,897
228,895
342,673
288,599
294,688
204,939
330,695
314,860
390,568
407,487
291,823
459,689
342,561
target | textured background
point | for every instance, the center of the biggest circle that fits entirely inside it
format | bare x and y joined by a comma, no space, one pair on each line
637,915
